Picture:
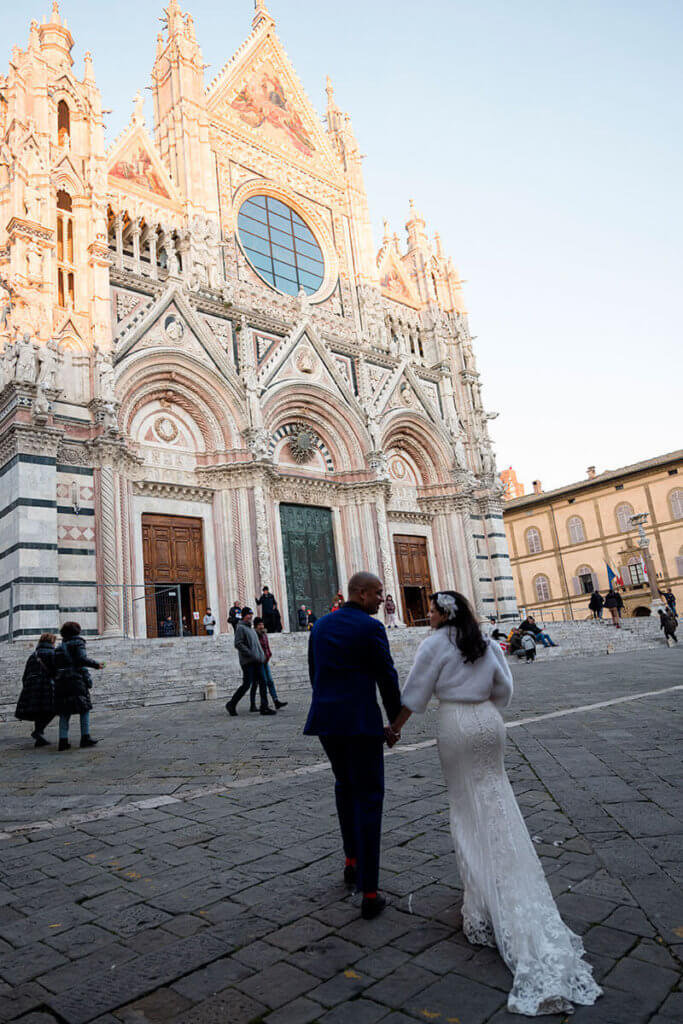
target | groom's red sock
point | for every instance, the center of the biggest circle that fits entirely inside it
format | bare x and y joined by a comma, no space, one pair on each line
369,895
350,862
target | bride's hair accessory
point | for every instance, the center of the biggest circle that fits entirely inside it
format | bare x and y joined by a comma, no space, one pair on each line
447,604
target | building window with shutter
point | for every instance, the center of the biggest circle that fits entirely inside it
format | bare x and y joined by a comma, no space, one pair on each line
66,269
542,584
636,572
679,563
533,541
623,514
575,530
587,580
676,502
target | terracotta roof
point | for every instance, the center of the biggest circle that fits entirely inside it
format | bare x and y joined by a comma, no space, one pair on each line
596,481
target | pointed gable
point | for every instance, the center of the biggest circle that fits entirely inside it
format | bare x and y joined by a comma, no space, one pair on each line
395,281
259,96
135,167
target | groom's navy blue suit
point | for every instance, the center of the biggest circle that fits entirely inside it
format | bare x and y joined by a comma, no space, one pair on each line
348,658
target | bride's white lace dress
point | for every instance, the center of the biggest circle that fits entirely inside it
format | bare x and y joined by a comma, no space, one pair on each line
507,900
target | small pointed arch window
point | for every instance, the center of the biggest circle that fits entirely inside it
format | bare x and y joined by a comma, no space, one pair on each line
575,530
623,513
542,585
676,503
533,541
66,269
63,122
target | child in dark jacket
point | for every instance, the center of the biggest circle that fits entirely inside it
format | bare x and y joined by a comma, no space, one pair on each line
37,698
260,627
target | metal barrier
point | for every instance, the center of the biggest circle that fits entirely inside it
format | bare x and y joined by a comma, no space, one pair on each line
131,610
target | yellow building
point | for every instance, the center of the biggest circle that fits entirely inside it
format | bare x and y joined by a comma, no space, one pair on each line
562,541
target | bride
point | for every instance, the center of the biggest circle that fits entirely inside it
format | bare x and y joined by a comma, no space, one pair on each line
507,901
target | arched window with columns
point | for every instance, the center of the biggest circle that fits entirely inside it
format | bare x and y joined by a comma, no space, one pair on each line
66,270
542,587
533,541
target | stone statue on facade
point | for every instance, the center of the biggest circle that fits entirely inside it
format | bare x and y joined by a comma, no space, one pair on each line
104,375
110,418
8,358
49,361
41,403
34,262
302,303
25,366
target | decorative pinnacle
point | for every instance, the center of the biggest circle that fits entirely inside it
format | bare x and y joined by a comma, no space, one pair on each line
55,19
261,14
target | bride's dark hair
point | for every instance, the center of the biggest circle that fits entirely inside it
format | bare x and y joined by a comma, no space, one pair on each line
464,629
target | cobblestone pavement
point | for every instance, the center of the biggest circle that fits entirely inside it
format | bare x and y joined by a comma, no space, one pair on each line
188,868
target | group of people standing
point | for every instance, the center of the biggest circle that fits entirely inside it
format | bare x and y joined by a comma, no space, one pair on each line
612,601
56,681
267,605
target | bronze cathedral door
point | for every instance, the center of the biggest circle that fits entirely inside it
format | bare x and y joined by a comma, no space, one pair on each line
414,580
310,562
173,554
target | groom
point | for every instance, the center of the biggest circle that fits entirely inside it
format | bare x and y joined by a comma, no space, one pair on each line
348,657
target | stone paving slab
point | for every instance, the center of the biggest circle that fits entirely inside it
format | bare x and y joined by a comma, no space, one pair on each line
228,905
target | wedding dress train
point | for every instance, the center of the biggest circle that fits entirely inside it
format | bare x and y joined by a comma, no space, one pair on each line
507,900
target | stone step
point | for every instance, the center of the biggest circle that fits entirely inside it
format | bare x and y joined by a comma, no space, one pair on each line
171,670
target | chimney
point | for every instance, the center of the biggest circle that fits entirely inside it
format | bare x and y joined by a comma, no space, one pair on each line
591,472
536,484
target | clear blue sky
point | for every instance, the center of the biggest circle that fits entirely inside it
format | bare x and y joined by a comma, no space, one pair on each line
541,138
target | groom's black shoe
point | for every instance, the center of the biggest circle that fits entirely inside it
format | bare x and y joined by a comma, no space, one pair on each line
350,874
372,907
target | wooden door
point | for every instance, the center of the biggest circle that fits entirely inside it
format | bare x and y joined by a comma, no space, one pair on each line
414,579
173,555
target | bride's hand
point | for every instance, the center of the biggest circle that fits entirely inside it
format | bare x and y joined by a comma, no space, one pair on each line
391,736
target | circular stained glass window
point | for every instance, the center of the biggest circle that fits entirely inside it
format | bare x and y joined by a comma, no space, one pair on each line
280,247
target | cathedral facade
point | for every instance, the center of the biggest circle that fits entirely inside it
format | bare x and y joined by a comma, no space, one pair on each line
210,379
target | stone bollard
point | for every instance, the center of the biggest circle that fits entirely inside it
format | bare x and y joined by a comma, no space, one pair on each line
210,691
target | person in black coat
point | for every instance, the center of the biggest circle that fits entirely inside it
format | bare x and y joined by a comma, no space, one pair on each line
268,606
348,658
73,684
613,602
37,698
596,604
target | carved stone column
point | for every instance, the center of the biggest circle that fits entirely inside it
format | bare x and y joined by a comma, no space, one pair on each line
152,241
135,229
262,536
111,600
118,226
385,547
464,506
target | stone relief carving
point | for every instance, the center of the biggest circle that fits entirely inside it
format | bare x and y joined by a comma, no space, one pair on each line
50,362
125,304
303,444
104,375
174,329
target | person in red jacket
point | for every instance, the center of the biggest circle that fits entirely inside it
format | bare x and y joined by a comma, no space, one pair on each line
260,627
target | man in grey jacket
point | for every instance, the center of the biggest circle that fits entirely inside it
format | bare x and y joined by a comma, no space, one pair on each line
251,660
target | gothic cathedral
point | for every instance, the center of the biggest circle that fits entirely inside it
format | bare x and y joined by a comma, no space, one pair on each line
210,379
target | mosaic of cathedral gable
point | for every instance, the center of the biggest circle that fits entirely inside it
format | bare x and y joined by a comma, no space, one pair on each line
135,167
171,329
264,101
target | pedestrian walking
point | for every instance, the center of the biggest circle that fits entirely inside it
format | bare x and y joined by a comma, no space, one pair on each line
252,659
302,617
209,622
73,684
596,604
268,605
389,612
260,627
529,647
37,698
506,899
612,604
668,622
348,658
235,615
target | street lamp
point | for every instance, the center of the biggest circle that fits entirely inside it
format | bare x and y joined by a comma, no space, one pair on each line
639,521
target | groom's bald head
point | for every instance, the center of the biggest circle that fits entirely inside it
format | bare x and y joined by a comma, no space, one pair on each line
365,589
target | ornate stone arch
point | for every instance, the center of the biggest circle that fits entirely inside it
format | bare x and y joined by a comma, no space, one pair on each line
192,386
340,431
423,442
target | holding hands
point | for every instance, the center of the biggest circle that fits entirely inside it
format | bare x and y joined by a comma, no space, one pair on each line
391,736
